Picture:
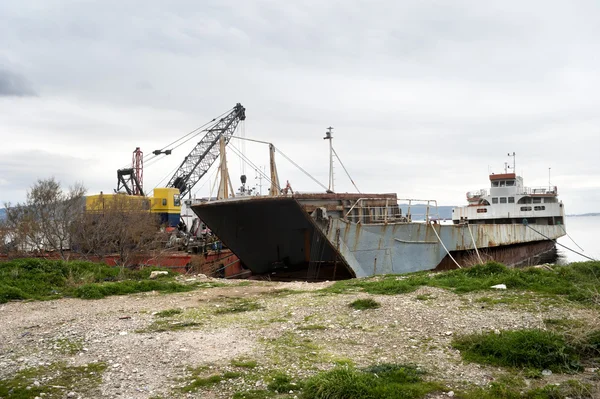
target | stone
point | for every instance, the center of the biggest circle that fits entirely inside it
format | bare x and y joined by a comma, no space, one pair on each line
546,372
157,273
450,393
499,286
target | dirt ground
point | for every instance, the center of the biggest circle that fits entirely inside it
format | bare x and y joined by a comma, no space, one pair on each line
289,327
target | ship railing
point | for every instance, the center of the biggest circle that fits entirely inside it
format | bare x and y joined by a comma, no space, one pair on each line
400,210
552,190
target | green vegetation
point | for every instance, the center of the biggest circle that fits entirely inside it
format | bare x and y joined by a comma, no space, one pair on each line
510,387
168,325
57,380
577,282
381,381
536,349
43,279
282,383
169,313
199,382
254,394
239,305
310,327
244,363
68,346
363,304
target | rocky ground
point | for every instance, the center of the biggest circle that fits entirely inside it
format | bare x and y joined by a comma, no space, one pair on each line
154,345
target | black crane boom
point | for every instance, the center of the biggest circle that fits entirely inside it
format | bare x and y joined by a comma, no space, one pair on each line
206,152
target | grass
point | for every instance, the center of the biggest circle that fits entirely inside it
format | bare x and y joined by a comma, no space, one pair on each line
385,381
530,348
239,305
57,380
68,346
515,388
42,279
244,363
363,304
199,382
169,313
282,383
168,325
579,282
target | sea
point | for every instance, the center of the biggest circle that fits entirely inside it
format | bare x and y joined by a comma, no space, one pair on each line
583,236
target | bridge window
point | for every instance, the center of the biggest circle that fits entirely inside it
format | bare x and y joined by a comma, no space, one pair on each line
503,200
494,184
481,210
511,200
495,200
502,183
537,200
510,183
539,208
525,208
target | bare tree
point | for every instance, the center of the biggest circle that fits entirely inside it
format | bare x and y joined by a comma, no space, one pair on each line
119,225
44,221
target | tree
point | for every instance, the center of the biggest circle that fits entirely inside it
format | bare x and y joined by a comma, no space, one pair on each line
44,221
119,225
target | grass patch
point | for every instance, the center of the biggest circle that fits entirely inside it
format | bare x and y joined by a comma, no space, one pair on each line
42,279
169,313
238,306
579,282
168,325
68,346
514,388
254,394
204,382
282,383
244,363
312,327
363,304
537,349
424,297
381,381
57,380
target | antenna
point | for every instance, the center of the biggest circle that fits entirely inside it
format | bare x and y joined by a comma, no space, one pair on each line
329,136
549,184
514,167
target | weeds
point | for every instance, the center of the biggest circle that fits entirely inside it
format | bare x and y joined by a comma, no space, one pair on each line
43,279
204,382
514,388
282,383
169,313
238,306
381,381
244,363
363,304
57,378
536,349
578,282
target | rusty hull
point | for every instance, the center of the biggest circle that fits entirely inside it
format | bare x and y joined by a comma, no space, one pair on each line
308,236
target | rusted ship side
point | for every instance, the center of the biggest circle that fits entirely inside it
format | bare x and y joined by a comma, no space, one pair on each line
336,236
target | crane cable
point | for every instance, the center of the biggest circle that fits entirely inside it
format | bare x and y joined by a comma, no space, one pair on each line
302,170
196,131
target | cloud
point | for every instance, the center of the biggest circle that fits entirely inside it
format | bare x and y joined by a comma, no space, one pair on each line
13,84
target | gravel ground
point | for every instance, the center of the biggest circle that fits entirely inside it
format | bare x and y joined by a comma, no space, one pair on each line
292,328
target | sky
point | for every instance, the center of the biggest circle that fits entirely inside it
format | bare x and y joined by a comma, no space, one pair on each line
425,97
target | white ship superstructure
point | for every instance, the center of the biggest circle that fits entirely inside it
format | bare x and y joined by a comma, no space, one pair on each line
510,202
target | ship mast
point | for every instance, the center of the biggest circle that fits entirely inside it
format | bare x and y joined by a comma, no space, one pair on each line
329,136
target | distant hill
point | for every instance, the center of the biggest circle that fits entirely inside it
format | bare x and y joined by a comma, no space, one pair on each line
419,211
586,214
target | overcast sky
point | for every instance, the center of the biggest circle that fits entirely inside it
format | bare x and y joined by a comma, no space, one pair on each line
425,97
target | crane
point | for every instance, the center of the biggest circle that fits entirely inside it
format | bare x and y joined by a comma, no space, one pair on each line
200,159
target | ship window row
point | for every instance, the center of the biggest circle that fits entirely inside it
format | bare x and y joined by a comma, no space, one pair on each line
535,208
503,183
503,200
537,200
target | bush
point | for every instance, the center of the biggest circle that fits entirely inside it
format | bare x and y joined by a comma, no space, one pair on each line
386,381
521,348
44,279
